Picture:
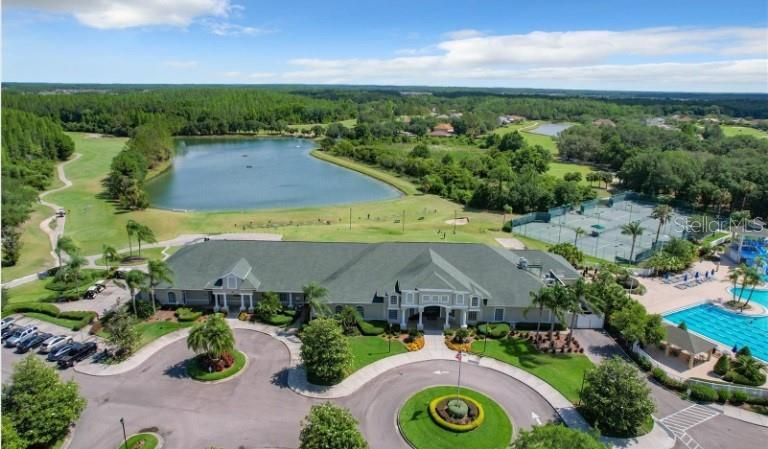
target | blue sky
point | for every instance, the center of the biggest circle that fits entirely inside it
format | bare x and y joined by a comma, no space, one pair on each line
628,45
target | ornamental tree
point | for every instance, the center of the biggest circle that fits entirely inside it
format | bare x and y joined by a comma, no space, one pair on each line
616,398
122,334
330,426
269,306
325,351
556,436
40,406
214,338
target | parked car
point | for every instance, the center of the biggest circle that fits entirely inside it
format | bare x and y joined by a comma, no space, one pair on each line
32,343
8,331
19,335
100,285
76,355
55,356
91,292
7,321
61,213
54,343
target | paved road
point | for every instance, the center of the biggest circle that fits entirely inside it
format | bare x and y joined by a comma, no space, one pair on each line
256,409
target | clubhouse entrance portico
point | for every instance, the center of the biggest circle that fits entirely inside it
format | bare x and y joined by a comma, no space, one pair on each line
434,317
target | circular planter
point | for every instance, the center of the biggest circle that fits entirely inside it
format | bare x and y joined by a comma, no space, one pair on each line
151,441
439,410
490,428
196,372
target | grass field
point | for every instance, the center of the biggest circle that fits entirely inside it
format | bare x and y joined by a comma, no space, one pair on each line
93,221
545,142
29,292
367,350
423,433
401,184
63,322
150,441
152,331
563,371
147,254
732,131
35,249
349,123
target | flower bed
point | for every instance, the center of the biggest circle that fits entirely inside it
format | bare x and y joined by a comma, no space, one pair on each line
414,343
440,409
197,367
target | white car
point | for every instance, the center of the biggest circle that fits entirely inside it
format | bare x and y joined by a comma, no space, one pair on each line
7,321
19,335
54,343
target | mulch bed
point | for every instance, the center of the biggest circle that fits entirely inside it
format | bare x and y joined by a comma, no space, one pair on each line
163,315
442,410
558,343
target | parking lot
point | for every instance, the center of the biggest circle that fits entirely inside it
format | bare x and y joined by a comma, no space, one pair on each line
10,355
105,300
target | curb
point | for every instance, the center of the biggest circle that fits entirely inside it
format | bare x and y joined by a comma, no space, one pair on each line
227,379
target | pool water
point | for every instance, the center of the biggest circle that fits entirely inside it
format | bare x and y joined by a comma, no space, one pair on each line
726,327
759,296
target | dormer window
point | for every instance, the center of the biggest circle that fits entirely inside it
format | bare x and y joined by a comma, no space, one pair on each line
219,282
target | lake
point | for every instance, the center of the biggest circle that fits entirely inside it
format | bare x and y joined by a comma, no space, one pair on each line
218,174
550,129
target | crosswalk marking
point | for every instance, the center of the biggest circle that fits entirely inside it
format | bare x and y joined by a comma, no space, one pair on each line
679,422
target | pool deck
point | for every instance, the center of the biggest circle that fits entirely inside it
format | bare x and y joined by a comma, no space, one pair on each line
662,298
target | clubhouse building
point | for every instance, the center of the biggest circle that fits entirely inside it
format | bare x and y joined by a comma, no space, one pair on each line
416,284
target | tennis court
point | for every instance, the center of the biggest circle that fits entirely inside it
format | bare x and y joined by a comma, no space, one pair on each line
601,223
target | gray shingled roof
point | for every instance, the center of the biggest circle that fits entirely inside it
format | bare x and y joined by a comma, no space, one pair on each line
687,341
352,272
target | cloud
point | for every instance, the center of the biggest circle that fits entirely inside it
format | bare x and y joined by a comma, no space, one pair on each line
674,58
180,64
466,33
220,28
110,14
261,75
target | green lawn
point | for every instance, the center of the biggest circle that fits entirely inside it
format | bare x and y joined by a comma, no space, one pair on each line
421,431
732,131
35,248
196,372
147,254
30,292
63,322
349,123
401,184
367,350
563,371
150,441
152,331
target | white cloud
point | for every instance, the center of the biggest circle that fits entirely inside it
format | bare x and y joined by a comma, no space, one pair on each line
180,64
261,75
466,33
220,28
107,14
232,74
636,59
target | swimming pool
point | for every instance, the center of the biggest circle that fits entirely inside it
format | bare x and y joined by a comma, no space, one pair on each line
760,296
726,327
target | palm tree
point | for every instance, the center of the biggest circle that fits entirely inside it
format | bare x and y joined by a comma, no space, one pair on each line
538,300
634,230
734,276
738,218
214,338
559,301
159,272
73,268
747,187
578,232
313,296
742,270
144,233
109,254
752,278
130,228
578,292
134,279
662,212
66,245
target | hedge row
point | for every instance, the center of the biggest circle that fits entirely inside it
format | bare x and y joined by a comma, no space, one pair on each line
186,314
81,317
494,330
372,328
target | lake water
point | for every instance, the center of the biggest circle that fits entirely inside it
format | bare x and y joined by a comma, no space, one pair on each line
550,129
237,174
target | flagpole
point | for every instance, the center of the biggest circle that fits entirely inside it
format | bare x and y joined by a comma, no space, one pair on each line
458,384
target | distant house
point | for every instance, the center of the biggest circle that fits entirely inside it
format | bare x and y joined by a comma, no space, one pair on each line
442,130
510,118
604,122
655,121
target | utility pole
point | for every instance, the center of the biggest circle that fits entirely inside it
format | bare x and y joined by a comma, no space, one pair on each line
458,384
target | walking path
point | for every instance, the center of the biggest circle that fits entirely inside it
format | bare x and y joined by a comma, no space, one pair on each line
55,234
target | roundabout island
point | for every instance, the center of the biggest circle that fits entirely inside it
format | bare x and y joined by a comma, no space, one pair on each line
442,417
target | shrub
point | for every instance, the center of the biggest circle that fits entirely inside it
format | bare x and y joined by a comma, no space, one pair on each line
185,314
144,309
738,397
494,330
281,319
737,378
325,351
745,351
723,396
372,328
703,393
456,427
723,365
532,326
461,335
81,318
395,328
641,361
659,374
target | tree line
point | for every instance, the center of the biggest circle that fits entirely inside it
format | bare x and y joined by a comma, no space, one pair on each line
150,146
31,145
697,165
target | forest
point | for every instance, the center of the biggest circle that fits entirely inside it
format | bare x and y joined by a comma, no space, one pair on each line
30,147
